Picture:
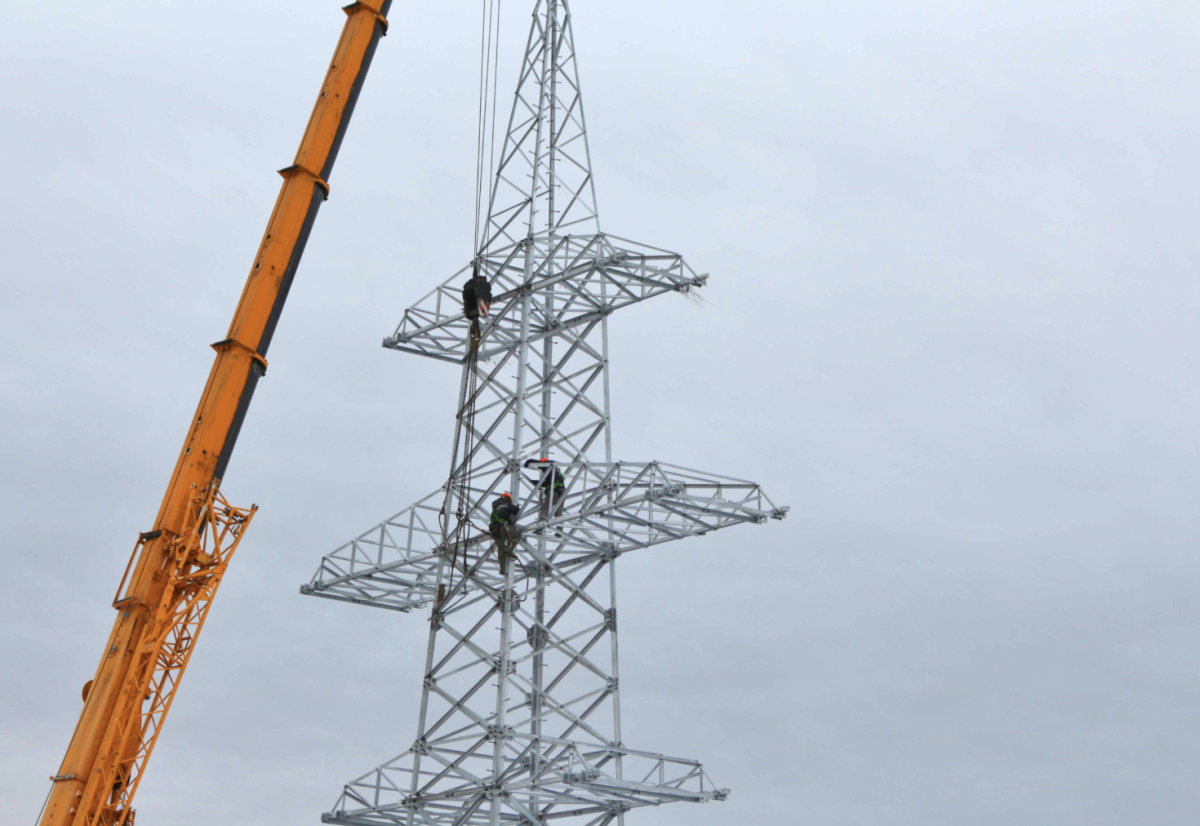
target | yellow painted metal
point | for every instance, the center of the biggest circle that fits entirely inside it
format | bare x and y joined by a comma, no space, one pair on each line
177,566
196,562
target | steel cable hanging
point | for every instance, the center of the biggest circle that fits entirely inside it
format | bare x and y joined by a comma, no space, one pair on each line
491,177
485,133
460,536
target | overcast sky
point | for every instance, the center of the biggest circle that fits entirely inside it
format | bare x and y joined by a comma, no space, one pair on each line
951,322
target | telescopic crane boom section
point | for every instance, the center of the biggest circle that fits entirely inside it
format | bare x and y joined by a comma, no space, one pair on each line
176,566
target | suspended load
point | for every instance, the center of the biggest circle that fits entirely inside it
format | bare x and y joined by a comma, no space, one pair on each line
477,297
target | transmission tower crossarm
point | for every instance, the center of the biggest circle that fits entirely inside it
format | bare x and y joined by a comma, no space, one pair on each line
176,566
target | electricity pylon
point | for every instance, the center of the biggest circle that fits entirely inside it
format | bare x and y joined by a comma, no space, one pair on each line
520,717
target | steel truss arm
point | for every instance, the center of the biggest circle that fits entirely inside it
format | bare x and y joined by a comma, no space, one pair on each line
579,279
394,564
578,781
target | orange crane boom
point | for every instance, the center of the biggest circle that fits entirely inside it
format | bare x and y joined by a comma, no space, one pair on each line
176,566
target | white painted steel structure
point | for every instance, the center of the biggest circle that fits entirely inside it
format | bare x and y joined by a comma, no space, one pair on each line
520,714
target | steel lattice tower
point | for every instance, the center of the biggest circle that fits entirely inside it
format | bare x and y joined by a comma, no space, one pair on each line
520,718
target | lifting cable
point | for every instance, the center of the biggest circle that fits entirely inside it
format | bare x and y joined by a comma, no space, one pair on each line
485,133
485,143
466,435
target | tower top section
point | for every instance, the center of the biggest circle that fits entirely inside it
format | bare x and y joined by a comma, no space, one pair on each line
543,183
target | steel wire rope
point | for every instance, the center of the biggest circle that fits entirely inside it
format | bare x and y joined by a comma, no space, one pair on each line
489,53
44,802
491,178
462,527
489,42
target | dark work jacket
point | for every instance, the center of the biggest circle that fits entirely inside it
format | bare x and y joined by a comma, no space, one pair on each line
558,482
503,510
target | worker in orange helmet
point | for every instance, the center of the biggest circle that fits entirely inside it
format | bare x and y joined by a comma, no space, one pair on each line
553,485
503,528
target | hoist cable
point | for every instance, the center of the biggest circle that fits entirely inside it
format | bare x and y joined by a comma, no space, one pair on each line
466,419
485,141
489,52
487,235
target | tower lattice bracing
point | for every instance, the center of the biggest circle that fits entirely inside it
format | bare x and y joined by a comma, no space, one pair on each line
520,717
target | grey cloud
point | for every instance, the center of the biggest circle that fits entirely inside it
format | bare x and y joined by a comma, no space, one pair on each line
951,322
